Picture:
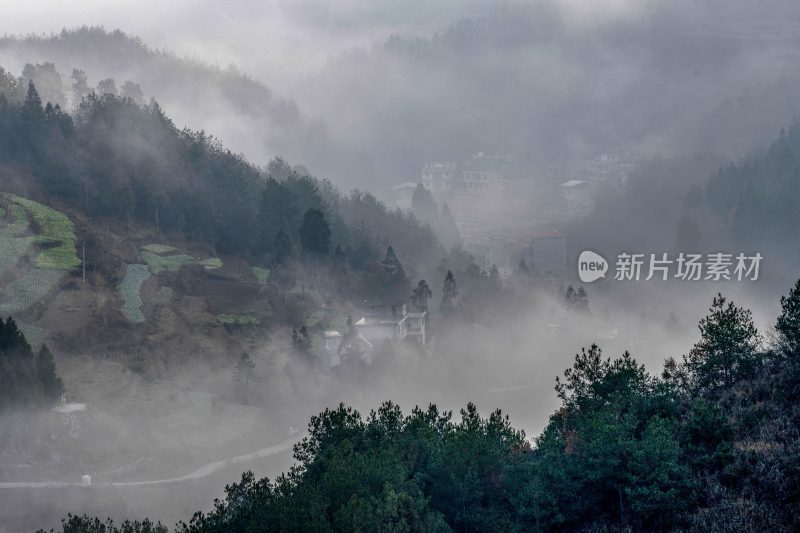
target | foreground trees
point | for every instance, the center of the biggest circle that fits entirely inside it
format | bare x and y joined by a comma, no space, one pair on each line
27,380
712,444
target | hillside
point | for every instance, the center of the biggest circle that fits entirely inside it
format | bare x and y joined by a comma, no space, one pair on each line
240,110
126,236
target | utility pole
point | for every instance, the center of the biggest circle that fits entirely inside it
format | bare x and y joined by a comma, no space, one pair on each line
83,263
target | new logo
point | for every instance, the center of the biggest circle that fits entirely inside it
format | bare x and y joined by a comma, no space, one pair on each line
591,266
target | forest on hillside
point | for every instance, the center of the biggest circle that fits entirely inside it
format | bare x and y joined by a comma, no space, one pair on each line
114,159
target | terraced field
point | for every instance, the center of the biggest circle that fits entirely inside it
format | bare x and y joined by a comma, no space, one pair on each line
135,276
48,235
28,289
54,232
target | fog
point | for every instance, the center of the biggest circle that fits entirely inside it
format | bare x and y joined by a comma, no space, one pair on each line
374,90
364,94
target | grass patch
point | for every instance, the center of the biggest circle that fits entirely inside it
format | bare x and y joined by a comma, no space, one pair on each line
212,263
161,257
261,274
61,257
135,276
159,263
238,320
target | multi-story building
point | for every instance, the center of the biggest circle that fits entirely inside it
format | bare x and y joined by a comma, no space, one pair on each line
482,173
382,323
439,176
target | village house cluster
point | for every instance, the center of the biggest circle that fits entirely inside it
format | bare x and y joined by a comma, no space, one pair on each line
533,205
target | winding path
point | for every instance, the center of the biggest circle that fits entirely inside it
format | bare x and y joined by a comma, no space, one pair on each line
197,474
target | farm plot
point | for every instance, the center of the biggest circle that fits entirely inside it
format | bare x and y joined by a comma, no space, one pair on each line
26,290
54,232
135,276
161,257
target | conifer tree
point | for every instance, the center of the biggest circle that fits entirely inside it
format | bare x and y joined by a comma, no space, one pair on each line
32,112
420,296
423,205
727,348
449,292
395,284
315,234
52,386
283,249
788,325
244,374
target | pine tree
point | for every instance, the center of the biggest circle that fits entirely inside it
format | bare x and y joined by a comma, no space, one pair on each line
727,348
582,300
52,386
339,269
301,340
569,297
32,112
423,205
244,374
80,87
392,267
282,249
448,229
449,292
12,341
788,325
277,211
315,234
395,284
420,296
107,86
133,92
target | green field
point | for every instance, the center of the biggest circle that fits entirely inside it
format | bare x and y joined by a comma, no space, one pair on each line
161,257
55,233
159,263
135,276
